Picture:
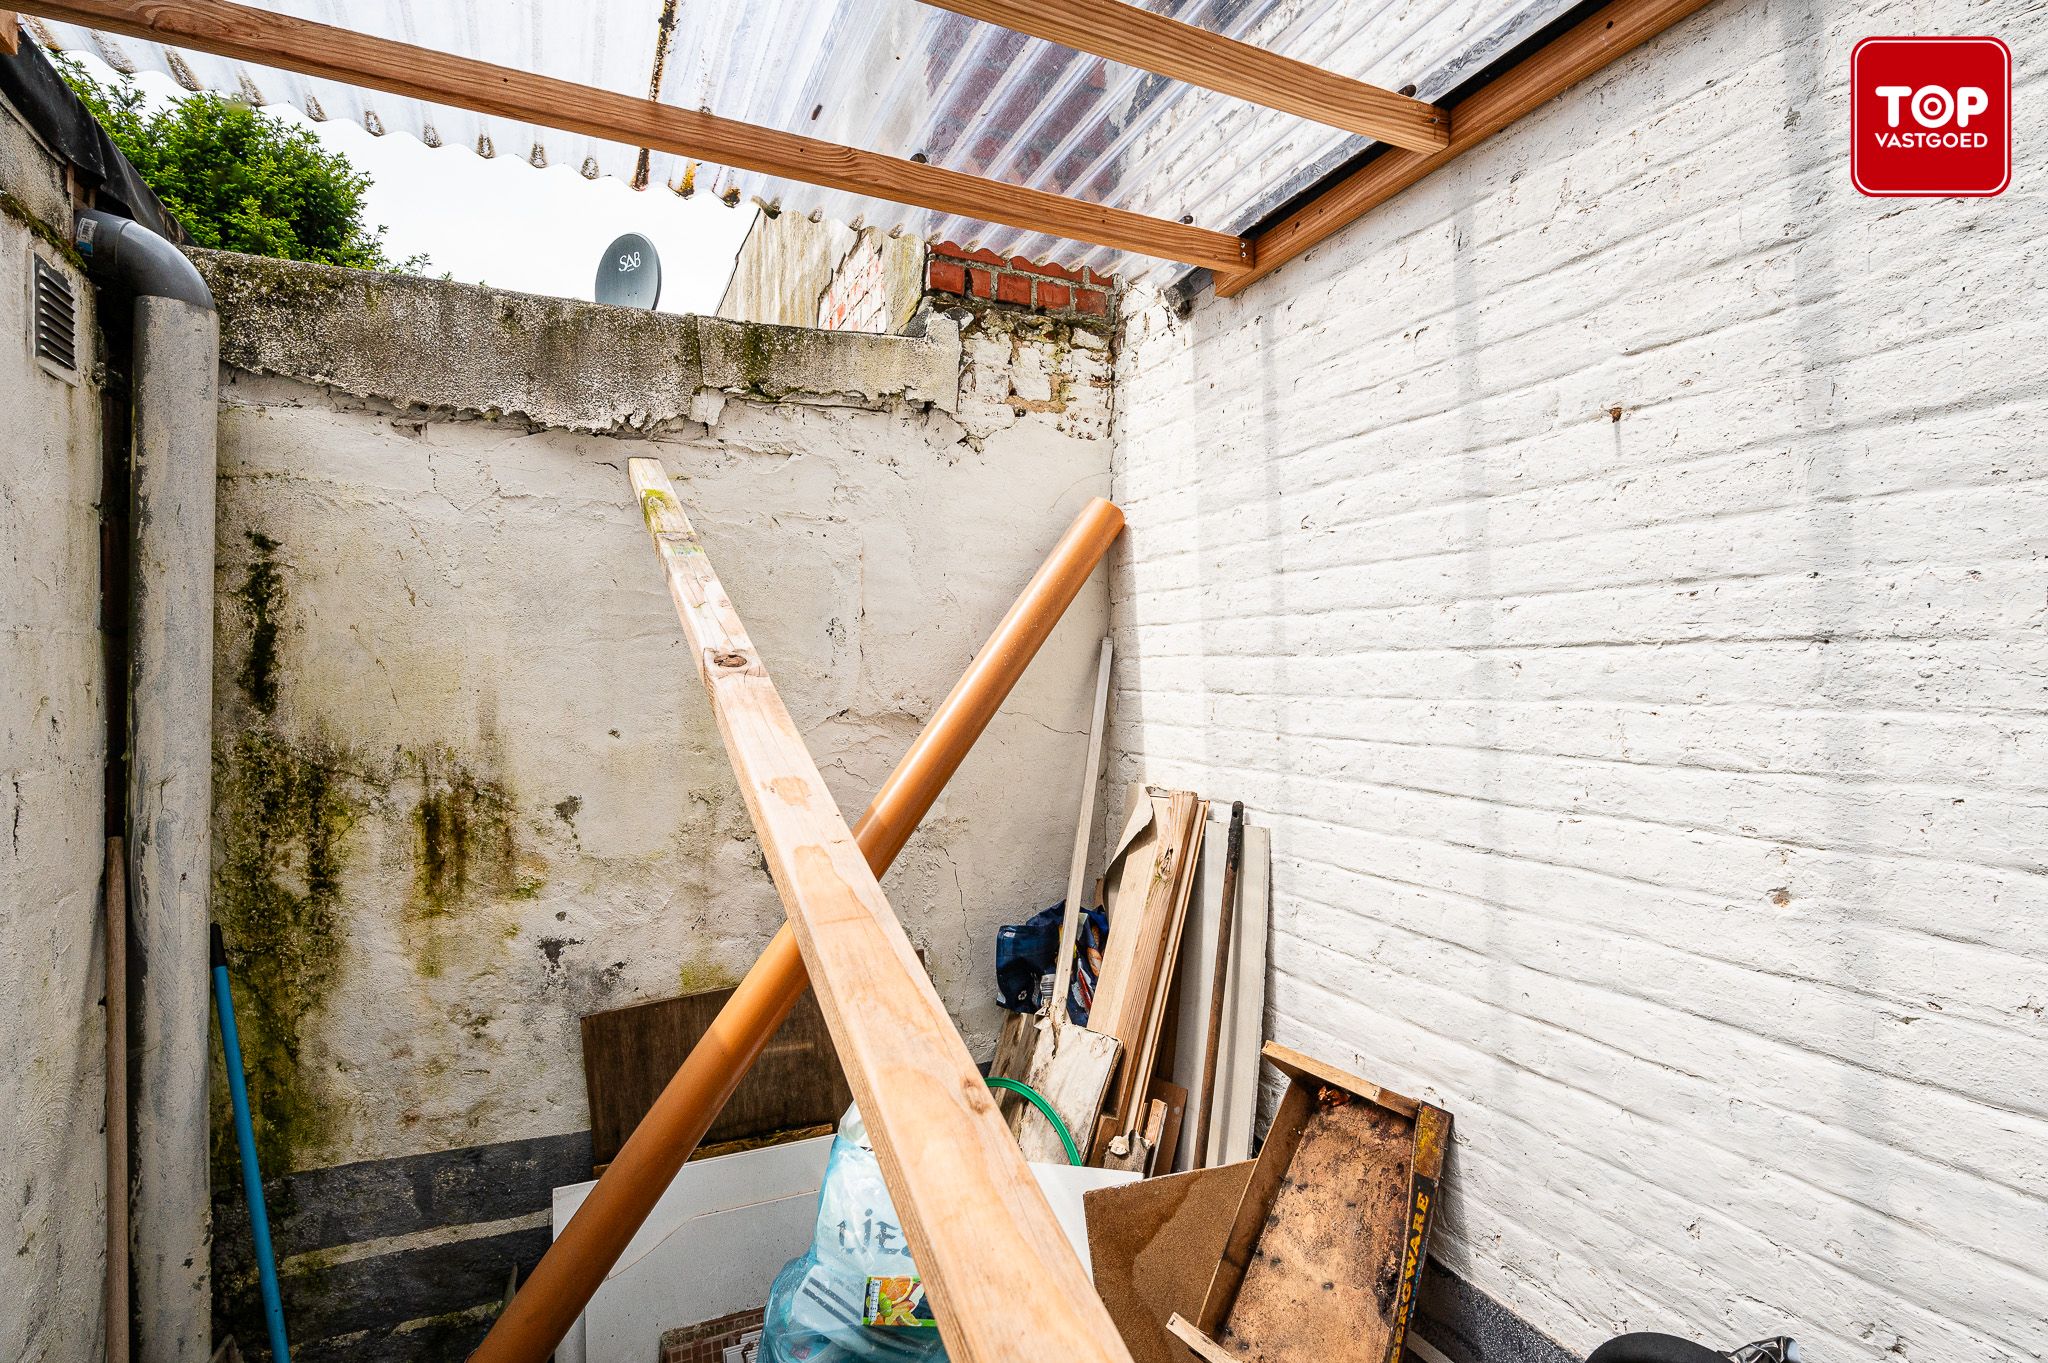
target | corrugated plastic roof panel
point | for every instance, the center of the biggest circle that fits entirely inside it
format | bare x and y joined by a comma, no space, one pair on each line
899,77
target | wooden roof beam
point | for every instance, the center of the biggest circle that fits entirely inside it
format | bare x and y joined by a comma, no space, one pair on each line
1167,47
1586,47
253,35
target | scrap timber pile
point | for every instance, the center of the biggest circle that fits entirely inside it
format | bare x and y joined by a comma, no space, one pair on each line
1105,1207
1311,1251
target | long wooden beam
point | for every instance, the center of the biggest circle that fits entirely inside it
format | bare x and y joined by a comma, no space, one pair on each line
1004,1282
1167,47
253,35
561,1284
1578,52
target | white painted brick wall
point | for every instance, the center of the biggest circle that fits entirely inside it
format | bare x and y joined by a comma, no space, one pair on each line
1664,796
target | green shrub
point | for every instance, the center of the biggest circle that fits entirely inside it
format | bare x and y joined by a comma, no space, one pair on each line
239,179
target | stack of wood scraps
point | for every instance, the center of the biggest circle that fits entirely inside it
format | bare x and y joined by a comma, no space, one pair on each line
1164,1075
1171,1039
1069,1066
1152,871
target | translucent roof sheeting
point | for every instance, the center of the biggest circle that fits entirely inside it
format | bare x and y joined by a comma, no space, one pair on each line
898,77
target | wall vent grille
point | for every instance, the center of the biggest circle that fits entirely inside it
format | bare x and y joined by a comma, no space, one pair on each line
56,317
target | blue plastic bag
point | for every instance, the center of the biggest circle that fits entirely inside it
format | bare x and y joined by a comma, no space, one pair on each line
1027,952
817,1301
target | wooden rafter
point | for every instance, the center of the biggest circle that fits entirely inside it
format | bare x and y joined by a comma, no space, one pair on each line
1195,56
253,35
1003,1279
1578,52
10,33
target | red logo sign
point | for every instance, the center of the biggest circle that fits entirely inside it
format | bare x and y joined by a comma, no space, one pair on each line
1930,117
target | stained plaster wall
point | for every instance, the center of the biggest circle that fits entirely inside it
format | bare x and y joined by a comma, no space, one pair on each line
469,788
1614,568
52,770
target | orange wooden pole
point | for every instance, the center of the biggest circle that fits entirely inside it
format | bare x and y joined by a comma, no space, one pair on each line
561,1285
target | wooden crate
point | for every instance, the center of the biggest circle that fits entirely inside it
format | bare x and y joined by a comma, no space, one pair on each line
1330,1236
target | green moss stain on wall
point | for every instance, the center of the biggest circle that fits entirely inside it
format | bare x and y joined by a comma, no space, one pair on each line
55,240
699,973
261,598
757,355
244,285
284,806
467,853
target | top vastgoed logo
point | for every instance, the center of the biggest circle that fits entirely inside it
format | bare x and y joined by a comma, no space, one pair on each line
1930,117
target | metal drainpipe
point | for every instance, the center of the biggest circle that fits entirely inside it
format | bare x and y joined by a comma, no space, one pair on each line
172,455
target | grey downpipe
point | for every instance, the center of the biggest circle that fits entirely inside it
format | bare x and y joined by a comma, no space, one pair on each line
172,463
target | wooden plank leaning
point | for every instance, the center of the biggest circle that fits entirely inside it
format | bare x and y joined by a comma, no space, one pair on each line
1002,1277
560,1286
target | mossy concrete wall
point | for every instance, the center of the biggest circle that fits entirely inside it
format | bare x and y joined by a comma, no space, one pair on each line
52,816
469,788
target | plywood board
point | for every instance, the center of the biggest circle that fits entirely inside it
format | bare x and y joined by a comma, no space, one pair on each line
1071,1070
1131,873
1158,1023
1014,1045
1154,1245
630,1054
1235,1102
1334,1230
1144,936
1137,817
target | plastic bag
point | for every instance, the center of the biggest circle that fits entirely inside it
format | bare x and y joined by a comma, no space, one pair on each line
1027,954
817,1302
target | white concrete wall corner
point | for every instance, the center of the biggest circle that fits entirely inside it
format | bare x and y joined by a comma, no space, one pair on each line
1615,570
448,672
53,732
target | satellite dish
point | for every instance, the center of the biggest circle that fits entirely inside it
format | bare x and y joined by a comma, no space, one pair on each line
629,273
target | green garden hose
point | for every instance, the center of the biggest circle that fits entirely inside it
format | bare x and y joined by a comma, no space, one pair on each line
1037,1100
